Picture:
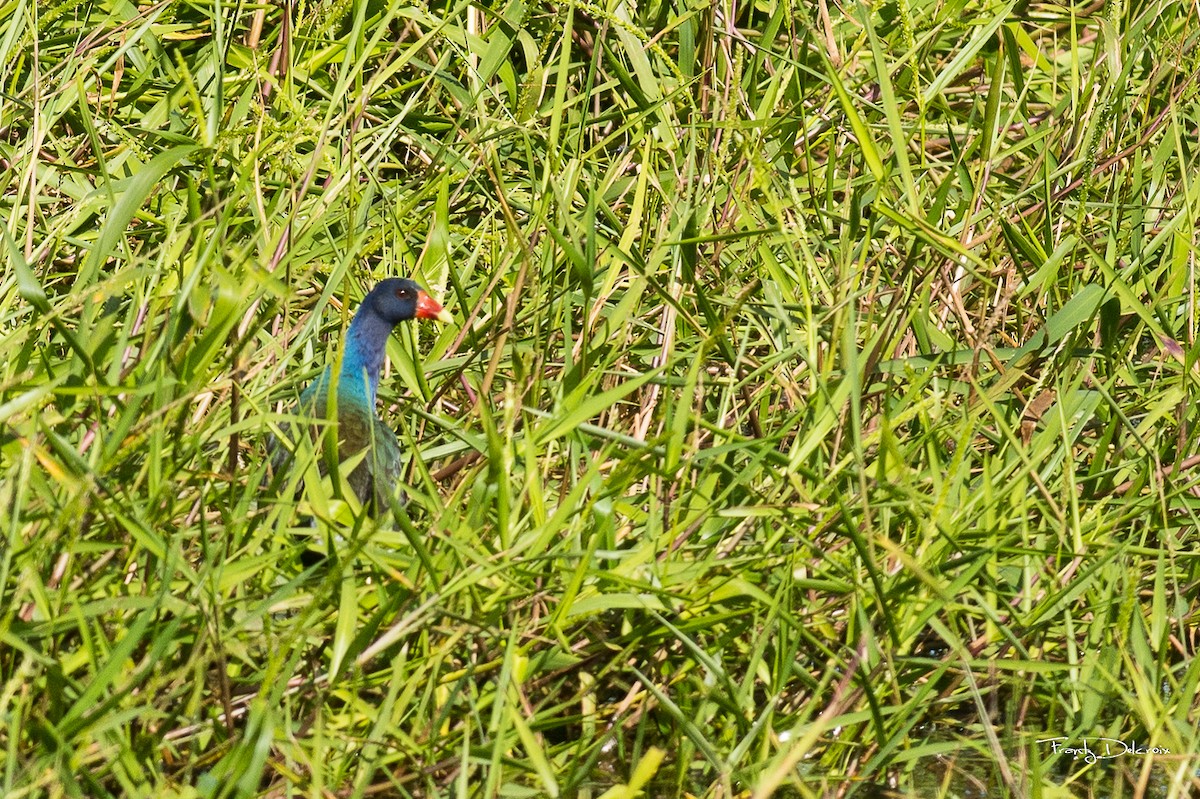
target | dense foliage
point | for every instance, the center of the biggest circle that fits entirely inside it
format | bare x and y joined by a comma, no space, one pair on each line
819,416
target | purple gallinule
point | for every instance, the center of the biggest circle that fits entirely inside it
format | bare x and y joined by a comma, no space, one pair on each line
375,478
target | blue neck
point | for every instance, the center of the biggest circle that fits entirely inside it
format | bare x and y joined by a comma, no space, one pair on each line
366,345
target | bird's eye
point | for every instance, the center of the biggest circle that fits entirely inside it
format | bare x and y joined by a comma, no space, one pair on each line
403,294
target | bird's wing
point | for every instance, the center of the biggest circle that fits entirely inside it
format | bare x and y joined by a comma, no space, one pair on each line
386,466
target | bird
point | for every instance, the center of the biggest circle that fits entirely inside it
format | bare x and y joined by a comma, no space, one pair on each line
359,429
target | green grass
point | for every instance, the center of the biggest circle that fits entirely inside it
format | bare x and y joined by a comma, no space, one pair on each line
819,417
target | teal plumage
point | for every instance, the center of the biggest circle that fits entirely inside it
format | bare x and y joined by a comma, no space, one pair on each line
376,476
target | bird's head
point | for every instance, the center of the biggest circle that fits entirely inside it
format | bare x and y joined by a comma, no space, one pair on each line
398,299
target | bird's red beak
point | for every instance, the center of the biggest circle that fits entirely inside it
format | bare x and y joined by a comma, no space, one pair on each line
429,308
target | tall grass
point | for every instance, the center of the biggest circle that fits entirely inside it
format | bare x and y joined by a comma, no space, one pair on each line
818,421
